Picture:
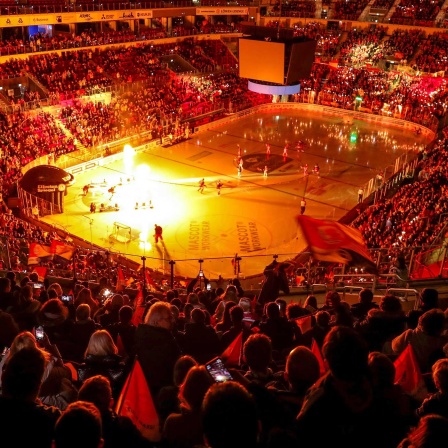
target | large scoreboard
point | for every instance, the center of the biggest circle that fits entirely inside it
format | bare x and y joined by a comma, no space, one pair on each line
271,57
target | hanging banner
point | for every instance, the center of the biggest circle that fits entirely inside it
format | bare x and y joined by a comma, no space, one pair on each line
222,11
70,17
143,14
8,21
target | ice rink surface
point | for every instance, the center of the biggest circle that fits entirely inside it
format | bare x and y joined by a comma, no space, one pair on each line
254,215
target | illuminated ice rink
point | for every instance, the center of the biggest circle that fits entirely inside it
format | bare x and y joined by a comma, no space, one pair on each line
254,215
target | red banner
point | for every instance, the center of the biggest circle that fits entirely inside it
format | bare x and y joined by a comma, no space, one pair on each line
335,242
135,402
62,250
233,353
39,253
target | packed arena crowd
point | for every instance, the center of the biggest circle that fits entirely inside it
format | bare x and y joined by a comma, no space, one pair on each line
306,375
289,364
415,215
168,102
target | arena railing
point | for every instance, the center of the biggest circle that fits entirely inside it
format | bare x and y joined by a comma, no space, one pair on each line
28,201
404,293
308,277
431,263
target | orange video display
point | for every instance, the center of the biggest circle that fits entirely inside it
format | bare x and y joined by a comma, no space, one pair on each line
261,60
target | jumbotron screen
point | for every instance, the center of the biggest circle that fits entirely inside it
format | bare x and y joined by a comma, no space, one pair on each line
261,60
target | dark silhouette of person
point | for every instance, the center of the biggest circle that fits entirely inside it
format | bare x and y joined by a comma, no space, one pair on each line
158,233
275,280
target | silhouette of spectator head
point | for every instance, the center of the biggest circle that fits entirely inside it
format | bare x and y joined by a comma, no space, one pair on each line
236,314
382,370
52,294
170,295
101,344
52,313
24,281
125,314
56,287
323,318
346,353
440,375
160,315
429,299
432,322
431,432
5,284
258,352
390,304
231,293
198,316
229,417
12,277
332,299
343,315
82,312
177,302
175,311
236,282
97,390
117,301
294,310
188,308
365,295
79,426
34,277
245,304
272,310
23,373
302,369
194,387
182,367
193,299
223,311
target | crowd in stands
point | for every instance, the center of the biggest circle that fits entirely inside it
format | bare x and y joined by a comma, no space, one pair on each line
407,12
363,45
306,375
415,215
160,111
294,369
348,10
26,137
433,54
298,9
403,44
422,13
387,4
371,46
164,105
41,42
